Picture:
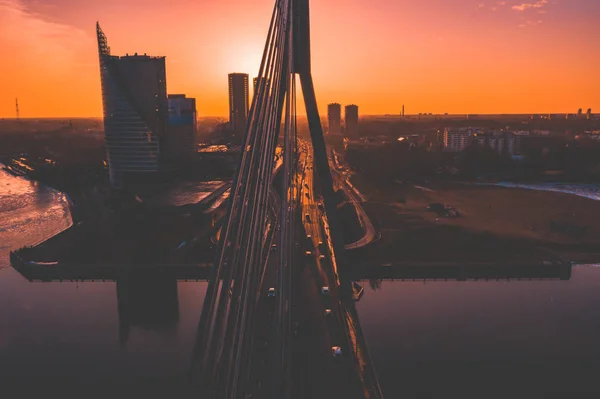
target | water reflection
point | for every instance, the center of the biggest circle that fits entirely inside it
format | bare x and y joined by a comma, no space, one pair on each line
64,337
147,300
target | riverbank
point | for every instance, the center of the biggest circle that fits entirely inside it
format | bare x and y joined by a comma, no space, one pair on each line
495,223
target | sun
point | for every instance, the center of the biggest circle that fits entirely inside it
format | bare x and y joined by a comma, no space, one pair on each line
244,57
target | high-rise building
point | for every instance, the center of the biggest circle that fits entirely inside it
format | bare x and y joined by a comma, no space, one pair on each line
238,104
256,84
351,117
589,113
181,139
334,113
134,99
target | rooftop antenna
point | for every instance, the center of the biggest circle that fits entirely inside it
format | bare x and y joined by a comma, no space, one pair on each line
17,109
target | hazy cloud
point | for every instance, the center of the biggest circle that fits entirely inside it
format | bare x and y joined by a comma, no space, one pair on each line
36,35
530,23
527,6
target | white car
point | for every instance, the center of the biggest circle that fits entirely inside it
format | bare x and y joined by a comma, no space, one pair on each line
324,290
336,351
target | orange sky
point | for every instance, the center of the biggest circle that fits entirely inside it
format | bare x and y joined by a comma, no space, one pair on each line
455,56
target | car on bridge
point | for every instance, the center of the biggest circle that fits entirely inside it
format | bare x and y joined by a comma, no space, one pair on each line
336,351
271,293
325,291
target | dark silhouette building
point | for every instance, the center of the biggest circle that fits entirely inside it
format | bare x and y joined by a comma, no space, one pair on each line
351,117
334,113
181,140
134,98
238,104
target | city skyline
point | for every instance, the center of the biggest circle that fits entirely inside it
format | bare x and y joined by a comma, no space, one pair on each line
476,57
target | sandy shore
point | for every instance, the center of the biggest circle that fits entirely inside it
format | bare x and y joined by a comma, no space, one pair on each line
496,223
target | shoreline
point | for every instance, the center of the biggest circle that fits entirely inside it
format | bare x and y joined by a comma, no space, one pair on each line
540,187
495,223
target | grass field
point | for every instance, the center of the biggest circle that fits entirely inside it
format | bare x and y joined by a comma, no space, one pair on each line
496,223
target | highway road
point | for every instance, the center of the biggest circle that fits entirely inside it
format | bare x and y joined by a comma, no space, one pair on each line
315,368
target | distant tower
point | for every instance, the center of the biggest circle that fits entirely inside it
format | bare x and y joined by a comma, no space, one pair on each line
351,118
334,115
238,104
579,112
257,82
589,113
402,111
17,107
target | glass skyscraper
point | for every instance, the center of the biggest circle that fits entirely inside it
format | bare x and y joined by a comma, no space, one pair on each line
134,99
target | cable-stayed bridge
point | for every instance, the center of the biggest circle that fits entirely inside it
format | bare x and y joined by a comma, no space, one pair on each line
225,363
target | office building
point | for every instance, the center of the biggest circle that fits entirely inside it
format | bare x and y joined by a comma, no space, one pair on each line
134,99
351,118
238,104
181,139
334,114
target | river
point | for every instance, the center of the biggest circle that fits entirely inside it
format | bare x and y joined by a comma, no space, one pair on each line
473,339
66,336
502,339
